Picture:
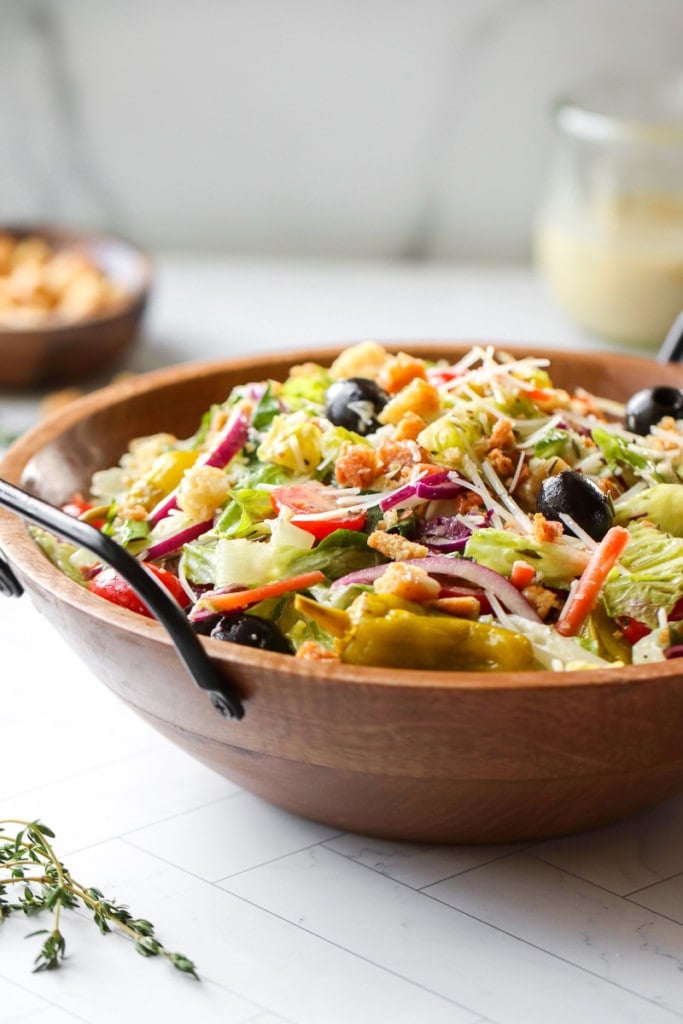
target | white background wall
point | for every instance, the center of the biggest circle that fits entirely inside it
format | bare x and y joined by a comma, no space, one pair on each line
387,128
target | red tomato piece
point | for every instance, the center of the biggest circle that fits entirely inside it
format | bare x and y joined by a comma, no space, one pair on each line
77,506
112,587
310,499
634,631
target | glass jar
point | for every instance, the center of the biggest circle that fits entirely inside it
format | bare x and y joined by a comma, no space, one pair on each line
609,233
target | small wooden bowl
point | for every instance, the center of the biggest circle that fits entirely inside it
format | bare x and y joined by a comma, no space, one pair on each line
57,352
431,756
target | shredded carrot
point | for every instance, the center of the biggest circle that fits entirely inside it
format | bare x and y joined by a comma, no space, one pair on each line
522,574
582,601
241,598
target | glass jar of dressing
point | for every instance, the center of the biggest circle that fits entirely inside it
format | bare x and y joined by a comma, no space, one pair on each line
609,234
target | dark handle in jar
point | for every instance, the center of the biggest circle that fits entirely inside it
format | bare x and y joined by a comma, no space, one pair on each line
671,350
40,513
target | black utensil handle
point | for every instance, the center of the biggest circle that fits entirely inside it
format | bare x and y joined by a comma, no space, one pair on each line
147,587
672,346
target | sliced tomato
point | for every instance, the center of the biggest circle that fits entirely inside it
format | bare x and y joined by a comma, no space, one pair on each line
112,587
307,500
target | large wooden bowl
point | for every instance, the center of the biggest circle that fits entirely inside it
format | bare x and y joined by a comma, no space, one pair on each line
430,756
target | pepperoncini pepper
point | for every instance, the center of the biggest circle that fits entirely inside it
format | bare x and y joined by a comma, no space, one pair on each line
384,630
164,475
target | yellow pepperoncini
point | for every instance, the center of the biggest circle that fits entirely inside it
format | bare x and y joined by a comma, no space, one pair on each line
163,476
386,631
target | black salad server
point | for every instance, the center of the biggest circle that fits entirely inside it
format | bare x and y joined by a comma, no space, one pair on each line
671,349
40,513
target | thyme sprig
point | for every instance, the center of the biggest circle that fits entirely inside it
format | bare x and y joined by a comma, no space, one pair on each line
28,861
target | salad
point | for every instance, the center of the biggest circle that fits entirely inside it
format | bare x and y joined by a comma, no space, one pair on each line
394,511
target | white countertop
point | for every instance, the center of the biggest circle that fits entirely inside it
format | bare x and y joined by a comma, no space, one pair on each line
290,922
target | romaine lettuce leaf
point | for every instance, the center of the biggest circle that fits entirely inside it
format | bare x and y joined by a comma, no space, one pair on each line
558,564
661,505
653,561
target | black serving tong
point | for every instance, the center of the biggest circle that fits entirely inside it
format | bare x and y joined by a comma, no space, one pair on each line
148,588
671,350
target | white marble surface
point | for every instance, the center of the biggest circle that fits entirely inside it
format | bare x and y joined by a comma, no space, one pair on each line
387,128
288,921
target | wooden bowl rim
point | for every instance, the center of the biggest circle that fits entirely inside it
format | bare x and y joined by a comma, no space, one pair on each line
133,300
20,550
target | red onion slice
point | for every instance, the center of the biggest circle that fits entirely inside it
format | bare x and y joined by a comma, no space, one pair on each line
399,495
229,443
456,568
175,541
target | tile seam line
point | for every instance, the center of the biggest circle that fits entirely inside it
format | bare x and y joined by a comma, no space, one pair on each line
416,888
125,838
20,794
644,906
676,1015
205,979
603,888
358,956
652,885
308,931
49,1004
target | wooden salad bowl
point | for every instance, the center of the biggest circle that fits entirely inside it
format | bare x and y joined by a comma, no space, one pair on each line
457,757
54,351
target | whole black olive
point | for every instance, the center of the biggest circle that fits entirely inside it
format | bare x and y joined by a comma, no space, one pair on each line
646,408
354,403
577,496
251,631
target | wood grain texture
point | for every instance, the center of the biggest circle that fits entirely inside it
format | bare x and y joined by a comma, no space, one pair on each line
429,756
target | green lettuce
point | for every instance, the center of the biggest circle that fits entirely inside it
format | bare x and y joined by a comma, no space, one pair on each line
557,564
661,505
617,450
653,561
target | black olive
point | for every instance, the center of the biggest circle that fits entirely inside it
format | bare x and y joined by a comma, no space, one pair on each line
251,631
646,408
577,496
354,403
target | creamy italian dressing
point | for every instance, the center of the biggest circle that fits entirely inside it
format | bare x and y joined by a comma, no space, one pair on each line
616,265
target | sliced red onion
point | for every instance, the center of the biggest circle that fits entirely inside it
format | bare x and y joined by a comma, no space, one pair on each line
168,545
443,534
457,568
675,651
201,612
399,496
231,440
431,491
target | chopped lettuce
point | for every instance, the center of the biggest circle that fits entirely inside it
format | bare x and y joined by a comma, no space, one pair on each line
252,563
553,651
553,443
245,513
339,553
454,430
661,505
618,450
267,407
557,564
306,390
292,441
67,557
198,560
653,579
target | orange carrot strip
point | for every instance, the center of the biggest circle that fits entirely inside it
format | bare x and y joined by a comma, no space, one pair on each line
522,574
241,598
582,602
